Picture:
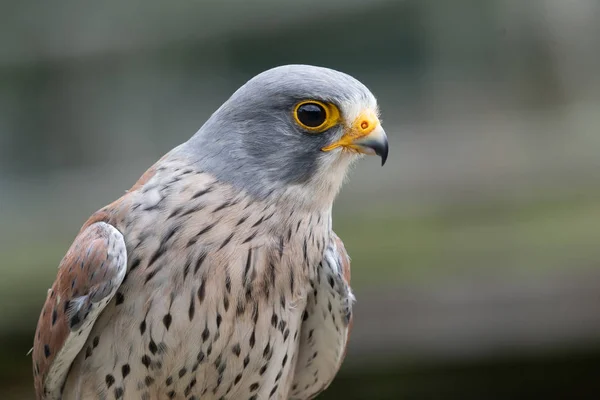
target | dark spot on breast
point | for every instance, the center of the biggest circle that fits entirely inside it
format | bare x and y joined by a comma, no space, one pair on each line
189,387
219,319
249,238
228,283
241,220
125,370
175,212
273,391
201,193
110,380
172,230
252,339
222,206
146,360
248,263
143,327
257,223
88,352
246,361
202,290
331,282
237,379
152,347
240,308
267,350
169,381
171,394
134,264
254,386
167,321
199,262
205,333
192,308
118,393
156,255
182,372
47,350
54,316
150,275
236,349
119,298
226,241
148,380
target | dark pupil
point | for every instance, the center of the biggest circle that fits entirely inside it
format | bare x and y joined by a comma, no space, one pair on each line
311,115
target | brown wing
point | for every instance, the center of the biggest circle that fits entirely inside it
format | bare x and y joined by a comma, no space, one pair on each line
88,278
326,325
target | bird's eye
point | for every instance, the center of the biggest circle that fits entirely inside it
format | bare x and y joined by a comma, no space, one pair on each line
312,115
315,116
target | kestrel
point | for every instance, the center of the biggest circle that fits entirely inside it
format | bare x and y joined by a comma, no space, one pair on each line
218,274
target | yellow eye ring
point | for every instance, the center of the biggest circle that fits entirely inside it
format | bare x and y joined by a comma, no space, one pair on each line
316,116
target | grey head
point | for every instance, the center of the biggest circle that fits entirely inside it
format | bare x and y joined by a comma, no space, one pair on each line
267,138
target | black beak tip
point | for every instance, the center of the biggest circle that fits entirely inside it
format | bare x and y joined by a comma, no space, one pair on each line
383,158
382,151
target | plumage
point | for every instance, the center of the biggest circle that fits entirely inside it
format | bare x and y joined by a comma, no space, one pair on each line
218,274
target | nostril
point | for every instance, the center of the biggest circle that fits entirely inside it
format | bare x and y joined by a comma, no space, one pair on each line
364,125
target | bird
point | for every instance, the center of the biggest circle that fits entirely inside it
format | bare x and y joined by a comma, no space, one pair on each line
218,275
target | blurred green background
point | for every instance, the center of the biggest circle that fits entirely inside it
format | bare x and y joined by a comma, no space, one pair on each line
475,250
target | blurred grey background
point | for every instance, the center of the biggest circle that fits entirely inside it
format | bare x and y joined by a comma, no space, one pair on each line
475,250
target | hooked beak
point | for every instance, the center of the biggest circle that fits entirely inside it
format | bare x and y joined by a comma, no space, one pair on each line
365,136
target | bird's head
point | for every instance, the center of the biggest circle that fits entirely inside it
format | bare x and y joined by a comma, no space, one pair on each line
291,130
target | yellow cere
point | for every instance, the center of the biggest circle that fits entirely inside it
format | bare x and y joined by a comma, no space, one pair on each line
332,118
362,126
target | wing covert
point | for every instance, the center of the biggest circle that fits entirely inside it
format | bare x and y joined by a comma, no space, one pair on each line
88,278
